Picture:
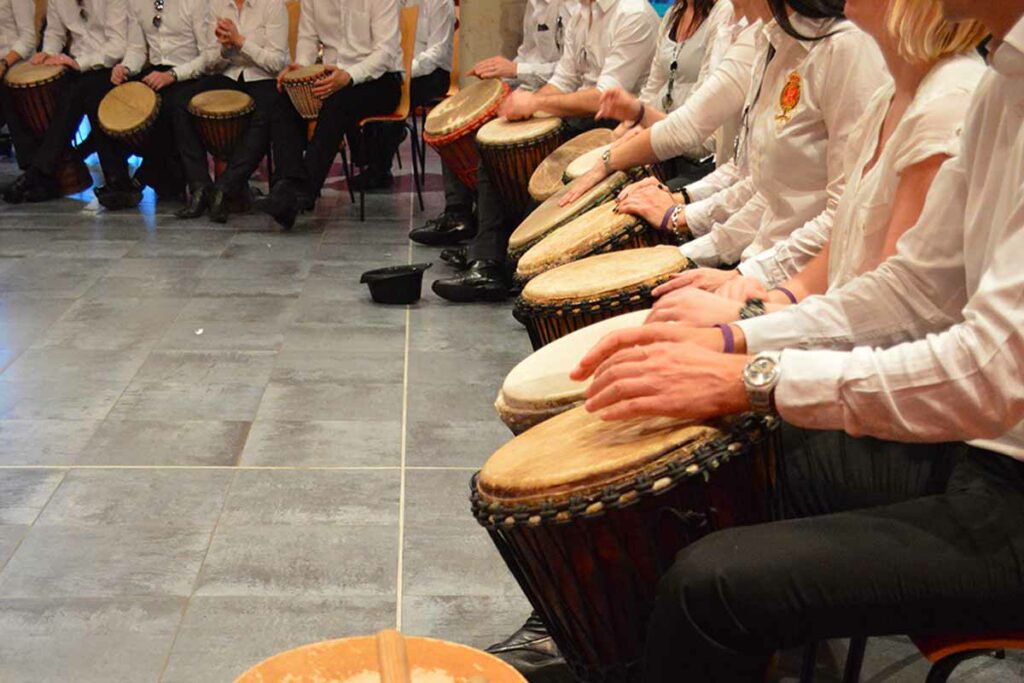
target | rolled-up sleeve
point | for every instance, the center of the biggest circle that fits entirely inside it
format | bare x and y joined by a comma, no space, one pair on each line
385,29
704,215
726,241
635,37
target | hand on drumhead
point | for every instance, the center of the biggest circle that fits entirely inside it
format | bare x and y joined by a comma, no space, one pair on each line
637,186
495,67
62,60
624,133
584,184
39,58
650,203
158,80
709,279
743,289
678,380
618,104
519,105
333,80
285,71
119,74
642,336
694,307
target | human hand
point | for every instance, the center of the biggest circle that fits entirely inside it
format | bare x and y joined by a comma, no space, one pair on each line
333,79
228,35
624,133
119,74
743,289
709,279
495,67
644,335
284,72
584,184
695,307
618,104
158,80
39,58
62,60
650,202
518,106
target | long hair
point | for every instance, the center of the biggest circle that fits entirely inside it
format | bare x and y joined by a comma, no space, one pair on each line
812,9
924,35
701,10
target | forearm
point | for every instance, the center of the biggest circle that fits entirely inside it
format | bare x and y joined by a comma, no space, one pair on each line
636,151
581,103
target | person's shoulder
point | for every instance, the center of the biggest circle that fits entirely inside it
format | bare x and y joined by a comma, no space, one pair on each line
954,76
630,7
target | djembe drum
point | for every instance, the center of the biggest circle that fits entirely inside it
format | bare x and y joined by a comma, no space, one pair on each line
512,150
547,179
128,112
451,126
584,292
597,231
388,657
590,514
35,93
222,117
539,387
298,84
583,163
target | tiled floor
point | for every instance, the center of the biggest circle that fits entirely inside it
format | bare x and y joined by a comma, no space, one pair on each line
213,447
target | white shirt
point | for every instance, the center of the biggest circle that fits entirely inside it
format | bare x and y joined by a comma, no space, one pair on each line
937,331
18,27
360,36
609,43
97,41
181,41
435,34
544,26
716,102
812,96
264,24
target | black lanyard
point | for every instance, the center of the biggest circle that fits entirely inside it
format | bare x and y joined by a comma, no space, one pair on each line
741,139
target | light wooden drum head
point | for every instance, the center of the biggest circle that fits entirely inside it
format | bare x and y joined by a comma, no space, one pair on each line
539,387
603,275
127,108
461,110
357,660
499,132
584,163
25,75
221,104
547,179
304,74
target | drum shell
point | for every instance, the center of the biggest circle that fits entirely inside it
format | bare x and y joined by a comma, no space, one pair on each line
36,103
593,576
135,139
511,167
519,420
302,97
458,150
222,134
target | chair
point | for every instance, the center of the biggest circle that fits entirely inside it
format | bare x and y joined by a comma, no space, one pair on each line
419,117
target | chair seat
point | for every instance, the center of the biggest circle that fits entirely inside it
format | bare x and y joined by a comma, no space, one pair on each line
387,118
936,648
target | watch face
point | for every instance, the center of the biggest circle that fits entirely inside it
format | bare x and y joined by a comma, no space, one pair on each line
761,372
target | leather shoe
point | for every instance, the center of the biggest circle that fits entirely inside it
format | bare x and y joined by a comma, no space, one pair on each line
218,209
483,280
533,653
281,204
198,200
456,257
31,186
451,227
123,194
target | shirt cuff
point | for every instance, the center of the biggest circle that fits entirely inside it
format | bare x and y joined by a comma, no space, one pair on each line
698,217
765,273
701,251
358,74
249,50
524,69
606,82
808,391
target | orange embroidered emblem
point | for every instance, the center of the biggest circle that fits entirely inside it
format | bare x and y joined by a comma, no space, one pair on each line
790,96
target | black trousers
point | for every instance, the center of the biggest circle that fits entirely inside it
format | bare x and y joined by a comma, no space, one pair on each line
339,116
886,539
422,90
24,142
254,145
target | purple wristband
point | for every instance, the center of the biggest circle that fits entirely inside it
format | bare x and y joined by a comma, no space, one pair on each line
789,294
667,218
728,338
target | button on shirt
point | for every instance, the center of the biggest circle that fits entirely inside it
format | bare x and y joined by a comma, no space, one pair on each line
181,41
609,43
360,36
435,31
18,27
955,287
812,95
264,25
544,27
97,41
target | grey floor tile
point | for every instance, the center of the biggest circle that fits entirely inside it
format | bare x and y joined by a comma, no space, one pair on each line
319,560
53,276
10,537
270,247
23,493
75,365
477,366
234,268
362,312
445,443
113,324
315,337
85,248
190,499
55,561
86,641
477,621
161,443
207,367
44,442
339,366
58,400
34,312
250,286
323,444
221,637
181,244
454,559
144,400
330,402
243,309
223,335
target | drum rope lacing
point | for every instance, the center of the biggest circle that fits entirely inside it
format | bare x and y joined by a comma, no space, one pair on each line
747,431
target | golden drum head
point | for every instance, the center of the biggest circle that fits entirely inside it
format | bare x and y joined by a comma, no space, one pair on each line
25,75
547,179
127,108
304,74
462,109
584,163
604,275
500,132
221,104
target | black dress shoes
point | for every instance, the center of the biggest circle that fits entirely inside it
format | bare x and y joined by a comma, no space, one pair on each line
281,204
31,186
120,194
451,227
198,201
533,653
456,257
219,209
481,281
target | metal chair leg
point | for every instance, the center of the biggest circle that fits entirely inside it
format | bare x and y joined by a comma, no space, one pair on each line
855,660
417,168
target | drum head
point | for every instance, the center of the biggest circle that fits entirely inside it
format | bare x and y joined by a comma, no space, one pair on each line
541,381
24,74
577,453
127,107
604,274
303,73
355,660
585,162
574,239
547,179
220,103
501,132
550,215
458,111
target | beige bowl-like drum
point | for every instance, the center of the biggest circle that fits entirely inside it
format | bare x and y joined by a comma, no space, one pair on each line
128,112
585,292
222,117
583,163
298,84
512,150
451,126
540,388
547,179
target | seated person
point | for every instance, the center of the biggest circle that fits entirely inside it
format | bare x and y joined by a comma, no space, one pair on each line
18,40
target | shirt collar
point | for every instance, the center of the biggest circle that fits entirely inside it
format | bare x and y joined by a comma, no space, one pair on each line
1008,59
803,25
605,5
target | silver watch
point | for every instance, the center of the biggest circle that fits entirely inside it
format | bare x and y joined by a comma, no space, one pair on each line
606,159
760,378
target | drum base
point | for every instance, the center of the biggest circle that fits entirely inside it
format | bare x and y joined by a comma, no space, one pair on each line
72,175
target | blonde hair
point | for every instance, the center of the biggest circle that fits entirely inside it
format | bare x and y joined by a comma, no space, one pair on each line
924,35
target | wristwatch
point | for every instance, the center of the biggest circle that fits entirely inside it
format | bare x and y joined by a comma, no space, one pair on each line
760,378
754,308
606,159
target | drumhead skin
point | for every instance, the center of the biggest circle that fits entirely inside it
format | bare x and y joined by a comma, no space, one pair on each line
24,74
462,109
221,104
604,274
500,132
355,660
128,107
547,179
580,236
303,74
585,162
